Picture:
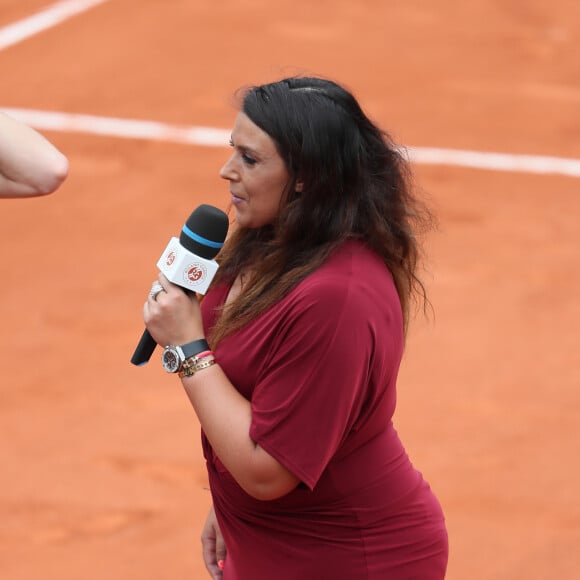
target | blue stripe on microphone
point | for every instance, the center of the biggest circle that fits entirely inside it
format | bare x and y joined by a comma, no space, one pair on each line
200,240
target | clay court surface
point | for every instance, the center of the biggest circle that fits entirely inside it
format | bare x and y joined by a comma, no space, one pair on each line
102,473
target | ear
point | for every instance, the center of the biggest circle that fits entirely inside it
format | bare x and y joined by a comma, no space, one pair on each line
299,185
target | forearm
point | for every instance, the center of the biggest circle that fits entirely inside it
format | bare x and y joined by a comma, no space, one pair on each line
29,164
225,416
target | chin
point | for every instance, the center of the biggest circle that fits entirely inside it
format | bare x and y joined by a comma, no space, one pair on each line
245,221
242,220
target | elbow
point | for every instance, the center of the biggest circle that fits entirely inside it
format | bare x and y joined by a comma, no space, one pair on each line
53,176
56,175
259,474
266,492
268,484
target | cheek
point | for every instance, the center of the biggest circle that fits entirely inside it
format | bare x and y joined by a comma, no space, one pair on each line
264,206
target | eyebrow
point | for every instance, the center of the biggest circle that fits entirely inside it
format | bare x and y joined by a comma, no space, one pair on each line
245,148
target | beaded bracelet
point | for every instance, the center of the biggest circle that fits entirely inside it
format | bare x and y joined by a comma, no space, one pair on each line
196,363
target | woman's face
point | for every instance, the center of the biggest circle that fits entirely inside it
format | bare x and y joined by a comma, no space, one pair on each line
257,174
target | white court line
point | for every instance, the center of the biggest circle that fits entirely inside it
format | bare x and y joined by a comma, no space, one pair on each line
212,137
112,127
51,16
496,161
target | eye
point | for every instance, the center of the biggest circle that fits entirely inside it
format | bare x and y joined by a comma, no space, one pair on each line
248,160
246,157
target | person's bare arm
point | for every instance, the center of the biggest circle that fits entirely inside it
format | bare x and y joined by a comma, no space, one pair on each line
30,165
225,415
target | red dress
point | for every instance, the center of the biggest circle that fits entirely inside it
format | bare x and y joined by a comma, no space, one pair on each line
320,370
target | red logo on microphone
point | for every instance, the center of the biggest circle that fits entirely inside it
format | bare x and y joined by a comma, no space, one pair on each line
170,258
195,273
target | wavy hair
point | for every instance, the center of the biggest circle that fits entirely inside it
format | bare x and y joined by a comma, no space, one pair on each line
356,183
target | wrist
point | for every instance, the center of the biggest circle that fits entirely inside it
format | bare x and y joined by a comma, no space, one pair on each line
174,356
197,363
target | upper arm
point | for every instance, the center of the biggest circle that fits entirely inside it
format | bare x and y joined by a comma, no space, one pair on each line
30,165
312,388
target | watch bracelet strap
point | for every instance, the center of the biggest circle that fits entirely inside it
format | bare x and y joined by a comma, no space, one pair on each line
190,370
194,347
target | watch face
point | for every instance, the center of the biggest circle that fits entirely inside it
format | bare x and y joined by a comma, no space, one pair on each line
170,359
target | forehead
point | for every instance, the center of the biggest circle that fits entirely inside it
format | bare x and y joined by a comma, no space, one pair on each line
247,134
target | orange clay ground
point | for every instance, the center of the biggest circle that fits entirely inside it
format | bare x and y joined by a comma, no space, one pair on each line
102,473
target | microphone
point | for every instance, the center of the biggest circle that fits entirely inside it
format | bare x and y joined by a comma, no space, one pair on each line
188,261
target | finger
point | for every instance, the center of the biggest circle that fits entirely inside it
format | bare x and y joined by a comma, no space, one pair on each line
168,286
220,548
164,281
156,289
210,560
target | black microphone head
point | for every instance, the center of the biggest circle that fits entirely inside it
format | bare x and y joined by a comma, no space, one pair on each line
205,231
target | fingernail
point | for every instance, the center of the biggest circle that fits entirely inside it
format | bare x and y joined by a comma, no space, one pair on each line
221,564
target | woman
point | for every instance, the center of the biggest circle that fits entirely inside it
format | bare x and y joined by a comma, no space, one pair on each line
30,165
306,321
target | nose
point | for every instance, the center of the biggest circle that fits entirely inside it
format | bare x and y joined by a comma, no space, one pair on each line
227,171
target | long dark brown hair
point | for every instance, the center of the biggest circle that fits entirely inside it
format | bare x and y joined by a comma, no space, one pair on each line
355,183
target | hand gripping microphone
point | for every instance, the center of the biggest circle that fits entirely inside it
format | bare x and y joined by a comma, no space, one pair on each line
188,261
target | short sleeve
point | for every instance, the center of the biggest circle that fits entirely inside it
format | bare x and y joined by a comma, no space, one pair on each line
310,391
